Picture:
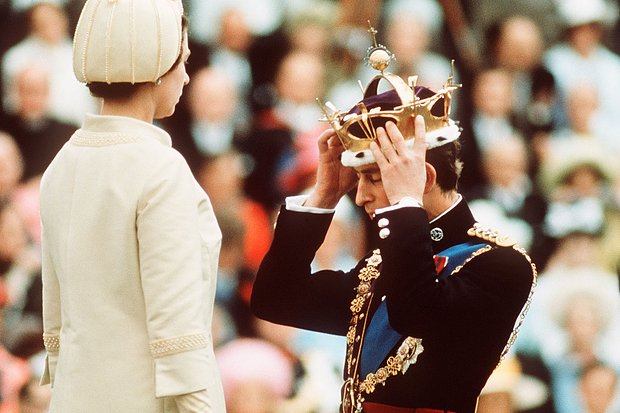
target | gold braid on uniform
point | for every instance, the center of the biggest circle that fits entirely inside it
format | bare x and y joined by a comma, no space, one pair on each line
353,388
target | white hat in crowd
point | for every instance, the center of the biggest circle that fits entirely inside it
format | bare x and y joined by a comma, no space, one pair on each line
579,12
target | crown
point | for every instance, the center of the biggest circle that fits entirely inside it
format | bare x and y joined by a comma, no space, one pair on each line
405,100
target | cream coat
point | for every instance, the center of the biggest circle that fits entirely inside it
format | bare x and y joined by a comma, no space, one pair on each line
130,252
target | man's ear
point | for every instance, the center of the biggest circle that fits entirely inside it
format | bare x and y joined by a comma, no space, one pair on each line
431,177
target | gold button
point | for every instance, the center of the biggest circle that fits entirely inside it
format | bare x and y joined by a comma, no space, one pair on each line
384,233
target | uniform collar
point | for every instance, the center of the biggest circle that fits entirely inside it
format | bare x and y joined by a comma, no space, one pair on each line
450,228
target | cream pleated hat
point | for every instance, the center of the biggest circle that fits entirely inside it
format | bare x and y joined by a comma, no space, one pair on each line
132,41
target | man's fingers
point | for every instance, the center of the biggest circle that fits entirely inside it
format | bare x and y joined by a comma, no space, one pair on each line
396,138
325,136
385,141
378,153
420,145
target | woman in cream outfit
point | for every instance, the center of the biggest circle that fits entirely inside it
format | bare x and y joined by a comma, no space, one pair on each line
130,241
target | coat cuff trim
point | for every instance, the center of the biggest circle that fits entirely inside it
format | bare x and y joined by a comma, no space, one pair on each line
51,342
167,347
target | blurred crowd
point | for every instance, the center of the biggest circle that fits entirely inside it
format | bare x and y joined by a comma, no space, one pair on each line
538,106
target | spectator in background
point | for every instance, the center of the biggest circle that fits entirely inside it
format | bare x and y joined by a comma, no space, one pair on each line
257,376
38,135
573,322
214,125
410,29
270,143
574,318
222,178
34,398
511,200
48,45
491,121
14,371
11,166
298,83
589,316
20,274
349,45
599,390
579,180
583,58
510,390
516,44
234,277
317,363
230,53
582,108
309,29
262,17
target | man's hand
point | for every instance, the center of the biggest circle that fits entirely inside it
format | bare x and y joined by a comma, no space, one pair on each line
333,180
403,170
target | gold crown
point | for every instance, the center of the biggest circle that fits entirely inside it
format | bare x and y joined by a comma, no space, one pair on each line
357,127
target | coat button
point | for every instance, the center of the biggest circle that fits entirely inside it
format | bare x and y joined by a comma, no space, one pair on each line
383,222
384,233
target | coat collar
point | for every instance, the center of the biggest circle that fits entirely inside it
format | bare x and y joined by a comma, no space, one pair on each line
451,227
112,125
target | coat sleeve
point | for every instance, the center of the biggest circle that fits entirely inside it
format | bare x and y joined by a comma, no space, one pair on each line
194,402
174,280
287,292
51,313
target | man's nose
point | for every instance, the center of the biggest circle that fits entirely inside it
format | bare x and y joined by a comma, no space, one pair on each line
362,195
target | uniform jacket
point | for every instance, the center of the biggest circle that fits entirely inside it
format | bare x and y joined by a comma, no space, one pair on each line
130,249
464,320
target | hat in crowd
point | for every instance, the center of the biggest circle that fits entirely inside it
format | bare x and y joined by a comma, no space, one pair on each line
428,12
399,104
247,360
568,156
585,284
584,216
526,392
118,41
580,12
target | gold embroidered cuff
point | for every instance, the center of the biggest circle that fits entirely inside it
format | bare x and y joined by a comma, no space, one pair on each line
51,342
166,347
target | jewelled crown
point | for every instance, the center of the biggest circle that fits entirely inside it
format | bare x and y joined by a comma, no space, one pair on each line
405,100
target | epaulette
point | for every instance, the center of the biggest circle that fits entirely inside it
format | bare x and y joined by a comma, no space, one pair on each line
492,236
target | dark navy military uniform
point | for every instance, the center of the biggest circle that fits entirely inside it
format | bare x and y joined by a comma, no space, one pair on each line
464,318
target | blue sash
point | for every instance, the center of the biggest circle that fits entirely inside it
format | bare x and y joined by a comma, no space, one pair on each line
380,337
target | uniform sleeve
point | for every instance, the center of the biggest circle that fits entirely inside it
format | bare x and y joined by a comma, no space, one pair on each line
51,313
173,280
287,292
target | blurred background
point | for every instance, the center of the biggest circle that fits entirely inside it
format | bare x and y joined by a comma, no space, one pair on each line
538,107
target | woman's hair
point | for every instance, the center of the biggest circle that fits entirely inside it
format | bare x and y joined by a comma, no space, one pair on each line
446,161
123,90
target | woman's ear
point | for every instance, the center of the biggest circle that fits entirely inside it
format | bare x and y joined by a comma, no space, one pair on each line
431,177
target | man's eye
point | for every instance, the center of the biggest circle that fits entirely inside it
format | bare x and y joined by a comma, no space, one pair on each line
374,179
